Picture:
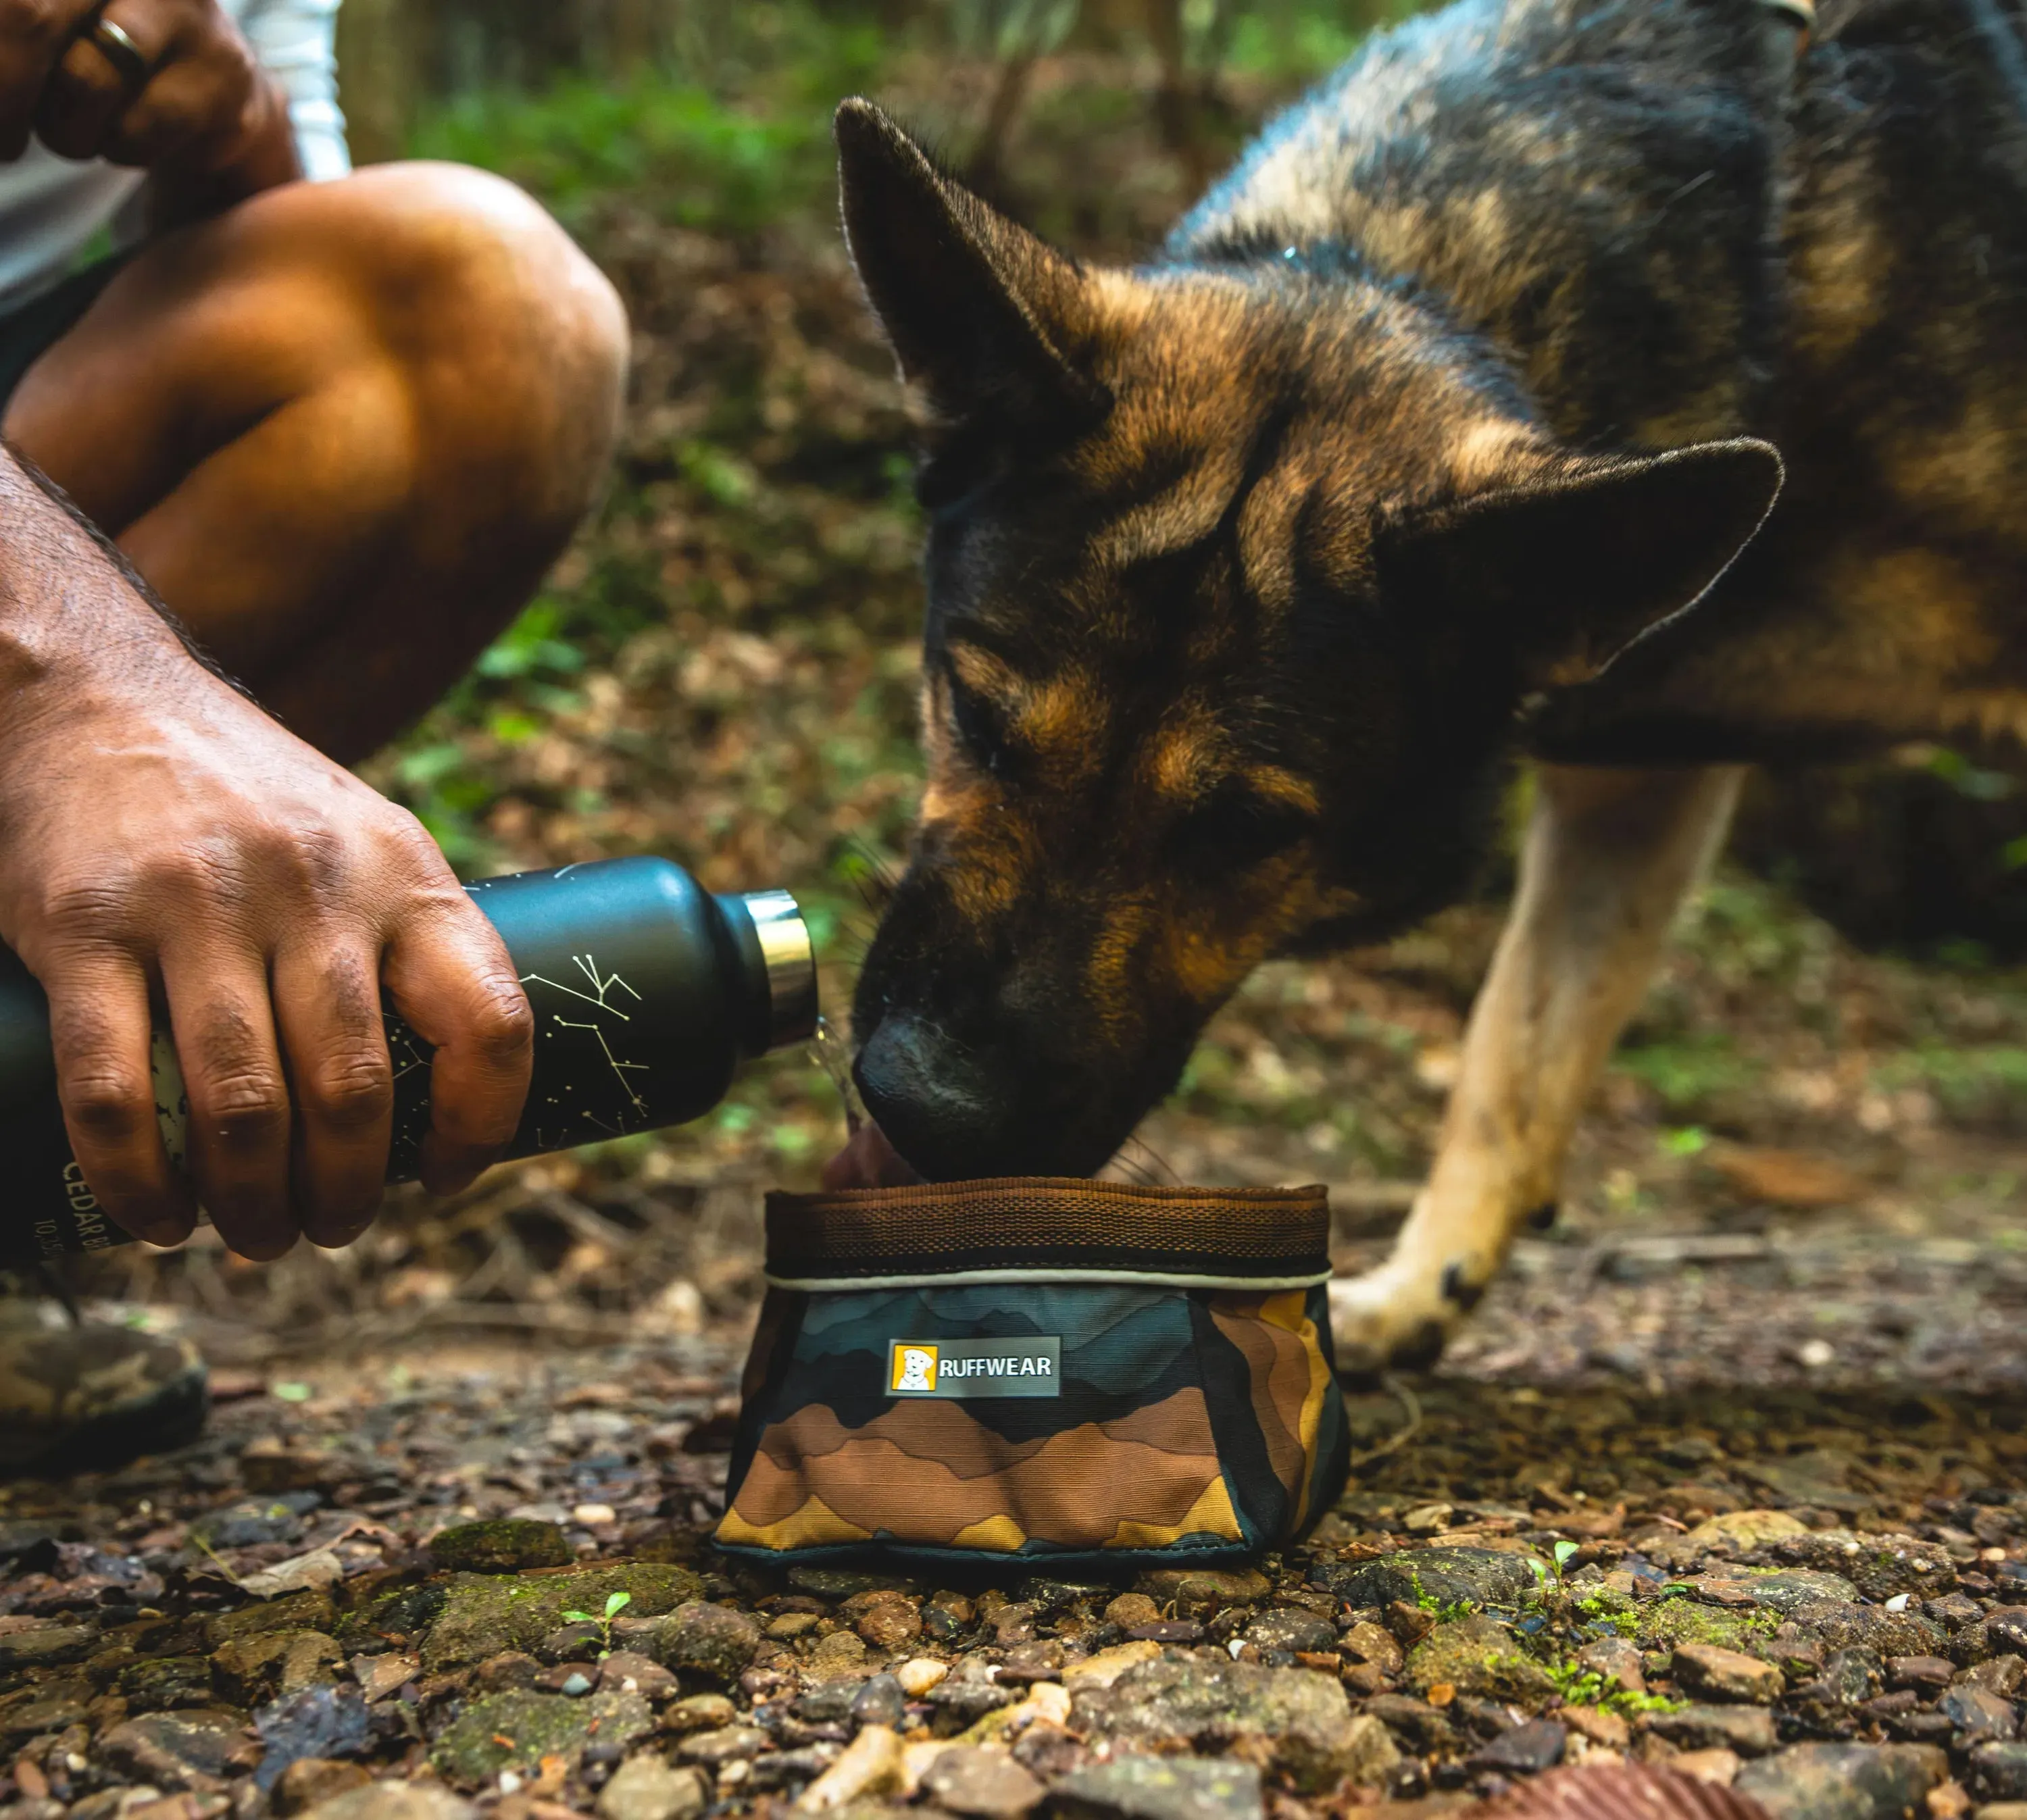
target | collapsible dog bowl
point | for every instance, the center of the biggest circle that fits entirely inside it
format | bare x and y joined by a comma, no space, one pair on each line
1088,1373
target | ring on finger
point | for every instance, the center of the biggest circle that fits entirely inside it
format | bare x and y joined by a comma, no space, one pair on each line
115,43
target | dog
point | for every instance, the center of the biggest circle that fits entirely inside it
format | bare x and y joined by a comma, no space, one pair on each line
1441,433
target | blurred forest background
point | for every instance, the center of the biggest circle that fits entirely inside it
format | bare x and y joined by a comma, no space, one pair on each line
723,670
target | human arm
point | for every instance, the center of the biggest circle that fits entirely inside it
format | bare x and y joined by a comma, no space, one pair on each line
169,853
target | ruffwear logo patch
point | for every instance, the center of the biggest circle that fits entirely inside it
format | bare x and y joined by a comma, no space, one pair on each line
1022,1367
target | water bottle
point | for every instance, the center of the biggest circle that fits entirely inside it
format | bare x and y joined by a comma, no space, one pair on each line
647,993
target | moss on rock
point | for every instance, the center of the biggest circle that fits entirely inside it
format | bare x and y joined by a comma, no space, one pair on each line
517,1729
485,1613
501,1546
1479,1655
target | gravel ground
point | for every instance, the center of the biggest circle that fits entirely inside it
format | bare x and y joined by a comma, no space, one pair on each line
354,1596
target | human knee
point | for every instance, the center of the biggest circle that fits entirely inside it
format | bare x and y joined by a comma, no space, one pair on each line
515,342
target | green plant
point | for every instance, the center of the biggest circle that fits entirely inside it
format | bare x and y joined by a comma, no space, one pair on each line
615,1603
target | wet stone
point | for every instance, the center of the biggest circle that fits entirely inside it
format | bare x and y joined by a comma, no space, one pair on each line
169,1680
1315,1738
2004,1675
713,1750
701,1712
1707,1672
1373,1644
1998,1771
967,1695
319,1721
1978,1716
1296,1632
790,1769
1927,1672
879,1702
1440,1576
712,1640
1843,1625
484,1614
311,1780
1479,1655
178,1750
1523,1750
627,1671
1843,1781
47,1646
1789,1591
516,1731
650,1788
983,1784
502,1546
395,1800
1144,1787
1747,1729
1616,1661
1420,1725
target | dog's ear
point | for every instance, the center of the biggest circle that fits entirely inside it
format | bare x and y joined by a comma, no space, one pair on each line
1568,569
981,313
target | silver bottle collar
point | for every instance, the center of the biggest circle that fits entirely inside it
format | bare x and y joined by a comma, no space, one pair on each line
790,957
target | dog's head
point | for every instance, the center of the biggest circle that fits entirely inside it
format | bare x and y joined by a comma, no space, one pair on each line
1235,585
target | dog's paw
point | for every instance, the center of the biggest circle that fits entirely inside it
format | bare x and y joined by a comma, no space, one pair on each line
1390,1318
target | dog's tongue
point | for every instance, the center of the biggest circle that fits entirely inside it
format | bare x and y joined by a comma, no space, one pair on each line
868,1161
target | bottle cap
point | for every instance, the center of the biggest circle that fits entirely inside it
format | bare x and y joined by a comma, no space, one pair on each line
790,957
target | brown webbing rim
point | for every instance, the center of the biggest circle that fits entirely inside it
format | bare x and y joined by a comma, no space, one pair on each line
1037,1222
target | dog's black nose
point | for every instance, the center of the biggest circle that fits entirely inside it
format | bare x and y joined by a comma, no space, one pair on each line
943,1106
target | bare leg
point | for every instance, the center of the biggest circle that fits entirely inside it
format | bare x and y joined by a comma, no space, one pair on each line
342,429
1609,856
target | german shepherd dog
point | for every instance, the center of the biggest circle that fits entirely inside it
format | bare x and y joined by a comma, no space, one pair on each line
1443,429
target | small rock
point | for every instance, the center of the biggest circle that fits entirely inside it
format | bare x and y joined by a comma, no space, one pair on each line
728,1744
502,1545
650,1788
787,1769
790,1625
1478,1656
1718,1766
1925,1672
1524,1750
1424,1727
516,1731
510,1669
1788,1592
918,1677
870,1765
967,1695
175,1750
1601,1727
1713,1673
708,1640
1041,1661
628,1671
1200,1592
1998,1771
1138,1787
319,1722
378,1676
2004,1675
1104,1667
1843,1781
1990,1810
1747,1729
1447,1576
880,1701
701,1712
1373,1644
1131,1610
47,1645
841,1654
1843,1625
1296,1632
984,1785
892,1624
311,1780
394,1801
1616,1661
483,1614
1746,1530
1978,1715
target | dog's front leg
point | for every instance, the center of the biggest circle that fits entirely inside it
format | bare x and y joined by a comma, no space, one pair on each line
1609,855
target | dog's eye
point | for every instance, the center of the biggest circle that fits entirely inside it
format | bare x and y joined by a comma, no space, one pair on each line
1237,827
980,728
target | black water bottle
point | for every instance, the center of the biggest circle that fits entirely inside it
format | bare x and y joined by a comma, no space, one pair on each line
647,993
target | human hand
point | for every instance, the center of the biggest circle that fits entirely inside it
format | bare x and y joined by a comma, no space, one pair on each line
163,84
162,838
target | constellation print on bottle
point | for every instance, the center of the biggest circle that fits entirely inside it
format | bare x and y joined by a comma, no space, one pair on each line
600,996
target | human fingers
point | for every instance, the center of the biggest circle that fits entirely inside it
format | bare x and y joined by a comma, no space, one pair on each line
34,36
237,1153
92,83
326,998
449,975
199,97
100,1028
